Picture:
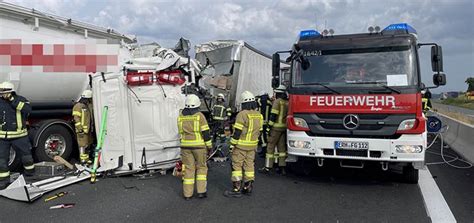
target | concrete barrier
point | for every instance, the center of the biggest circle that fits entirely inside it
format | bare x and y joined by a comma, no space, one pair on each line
459,135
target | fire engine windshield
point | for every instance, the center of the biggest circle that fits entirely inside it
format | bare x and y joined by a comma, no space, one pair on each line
393,66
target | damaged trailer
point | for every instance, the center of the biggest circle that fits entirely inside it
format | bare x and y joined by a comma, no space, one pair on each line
143,100
232,67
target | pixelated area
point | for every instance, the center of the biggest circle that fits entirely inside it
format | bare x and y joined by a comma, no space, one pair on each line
86,57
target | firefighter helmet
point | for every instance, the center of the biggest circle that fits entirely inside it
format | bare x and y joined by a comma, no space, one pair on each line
192,101
247,96
6,87
280,89
86,94
220,96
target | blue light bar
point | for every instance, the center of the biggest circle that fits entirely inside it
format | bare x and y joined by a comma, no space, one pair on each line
309,33
399,28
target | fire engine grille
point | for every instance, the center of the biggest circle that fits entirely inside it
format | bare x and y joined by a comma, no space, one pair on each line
346,152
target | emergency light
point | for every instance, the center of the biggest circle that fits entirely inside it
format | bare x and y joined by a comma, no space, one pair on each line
399,28
309,33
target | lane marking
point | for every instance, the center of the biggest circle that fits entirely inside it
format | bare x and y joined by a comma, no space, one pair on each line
436,206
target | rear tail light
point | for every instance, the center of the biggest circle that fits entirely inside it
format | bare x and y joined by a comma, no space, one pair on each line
139,78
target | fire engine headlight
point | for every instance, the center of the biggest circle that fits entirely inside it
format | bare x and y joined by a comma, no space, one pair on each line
407,124
299,144
300,122
409,148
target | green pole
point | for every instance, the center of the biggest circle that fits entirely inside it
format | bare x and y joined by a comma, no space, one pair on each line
100,142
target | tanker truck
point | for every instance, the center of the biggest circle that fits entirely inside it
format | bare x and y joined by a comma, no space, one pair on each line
49,60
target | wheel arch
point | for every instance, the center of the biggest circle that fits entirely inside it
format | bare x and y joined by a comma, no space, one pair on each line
42,126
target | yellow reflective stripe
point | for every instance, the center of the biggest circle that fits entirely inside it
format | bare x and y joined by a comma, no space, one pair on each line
237,173
250,129
269,156
76,113
271,123
19,120
208,143
188,181
192,143
83,118
201,177
279,125
29,167
204,127
274,111
248,143
233,141
5,174
249,174
180,128
77,124
20,105
280,115
197,133
282,154
238,126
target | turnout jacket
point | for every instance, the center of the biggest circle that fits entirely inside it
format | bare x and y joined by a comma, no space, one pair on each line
13,117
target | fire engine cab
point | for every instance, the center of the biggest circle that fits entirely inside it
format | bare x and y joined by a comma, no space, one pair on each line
357,98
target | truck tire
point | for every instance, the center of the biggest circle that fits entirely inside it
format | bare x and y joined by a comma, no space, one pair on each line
55,140
410,174
14,162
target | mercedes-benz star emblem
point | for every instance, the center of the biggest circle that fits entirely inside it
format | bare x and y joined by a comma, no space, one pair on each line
350,121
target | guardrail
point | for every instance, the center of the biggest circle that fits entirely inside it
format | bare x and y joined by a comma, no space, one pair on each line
459,135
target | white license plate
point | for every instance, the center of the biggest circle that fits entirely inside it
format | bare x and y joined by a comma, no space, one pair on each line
351,145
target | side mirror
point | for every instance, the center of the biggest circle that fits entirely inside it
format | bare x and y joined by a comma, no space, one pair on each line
437,59
439,79
275,82
276,65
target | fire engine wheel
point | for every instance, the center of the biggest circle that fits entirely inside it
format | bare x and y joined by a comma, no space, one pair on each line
56,140
14,161
410,174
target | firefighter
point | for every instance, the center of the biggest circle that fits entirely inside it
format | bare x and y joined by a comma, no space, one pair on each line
426,100
84,124
15,110
220,113
195,143
264,106
277,137
247,128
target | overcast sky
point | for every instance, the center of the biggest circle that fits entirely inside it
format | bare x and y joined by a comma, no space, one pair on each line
272,25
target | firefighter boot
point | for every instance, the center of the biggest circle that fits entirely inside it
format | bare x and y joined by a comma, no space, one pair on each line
265,170
29,172
236,190
283,171
248,188
4,182
202,195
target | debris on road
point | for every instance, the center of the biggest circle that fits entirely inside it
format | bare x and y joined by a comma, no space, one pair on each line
63,206
57,195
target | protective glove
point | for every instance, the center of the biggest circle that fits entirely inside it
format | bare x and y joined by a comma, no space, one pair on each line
231,148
